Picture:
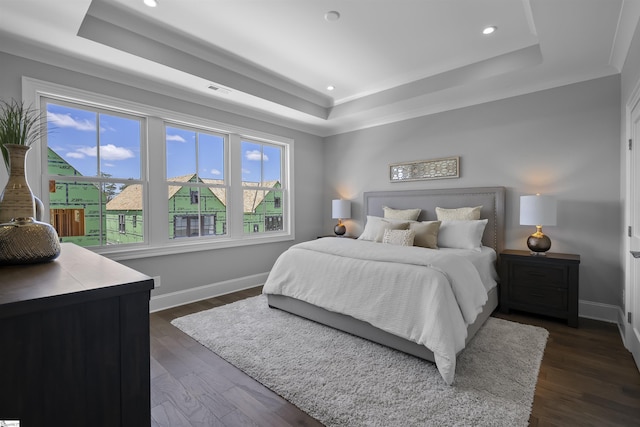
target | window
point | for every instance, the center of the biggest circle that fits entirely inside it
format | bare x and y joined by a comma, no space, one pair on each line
193,225
94,169
262,186
131,180
197,190
122,228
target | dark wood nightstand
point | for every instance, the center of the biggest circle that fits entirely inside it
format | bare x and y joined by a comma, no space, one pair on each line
545,285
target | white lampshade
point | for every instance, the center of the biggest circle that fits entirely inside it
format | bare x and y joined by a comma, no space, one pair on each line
538,210
341,209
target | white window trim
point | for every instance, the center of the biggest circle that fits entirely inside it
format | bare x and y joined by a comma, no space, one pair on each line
157,241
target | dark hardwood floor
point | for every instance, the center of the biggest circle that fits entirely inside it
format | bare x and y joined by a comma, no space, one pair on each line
587,378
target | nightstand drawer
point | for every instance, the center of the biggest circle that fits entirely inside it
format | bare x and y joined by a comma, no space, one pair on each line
533,275
554,298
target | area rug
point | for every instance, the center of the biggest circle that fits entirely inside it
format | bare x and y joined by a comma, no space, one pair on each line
342,380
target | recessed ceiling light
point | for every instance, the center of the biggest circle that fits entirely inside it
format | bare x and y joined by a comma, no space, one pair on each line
151,3
489,30
331,87
331,16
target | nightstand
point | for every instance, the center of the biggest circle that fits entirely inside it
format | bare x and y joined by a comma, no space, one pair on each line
545,285
340,237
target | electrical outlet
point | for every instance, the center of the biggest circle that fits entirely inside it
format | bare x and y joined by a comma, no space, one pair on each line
156,281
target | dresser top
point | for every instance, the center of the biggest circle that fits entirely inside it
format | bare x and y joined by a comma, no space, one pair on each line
76,276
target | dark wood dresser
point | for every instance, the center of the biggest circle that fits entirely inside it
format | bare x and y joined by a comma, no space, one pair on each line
74,337
545,285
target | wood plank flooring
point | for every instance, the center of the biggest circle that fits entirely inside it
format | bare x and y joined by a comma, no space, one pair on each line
587,378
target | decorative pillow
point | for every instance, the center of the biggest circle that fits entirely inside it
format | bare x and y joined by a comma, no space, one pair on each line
398,237
375,227
461,234
458,214
407,214
426,233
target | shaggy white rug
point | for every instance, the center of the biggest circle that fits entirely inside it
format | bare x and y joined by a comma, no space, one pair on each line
342,380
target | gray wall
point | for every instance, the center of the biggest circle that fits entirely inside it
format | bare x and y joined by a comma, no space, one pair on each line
185,271
563,142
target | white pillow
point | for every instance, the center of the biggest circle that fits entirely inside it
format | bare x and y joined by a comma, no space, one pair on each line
375,227
398,237
408,214
458,214
426,233
461,234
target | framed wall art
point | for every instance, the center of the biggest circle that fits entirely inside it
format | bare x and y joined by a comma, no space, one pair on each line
448,167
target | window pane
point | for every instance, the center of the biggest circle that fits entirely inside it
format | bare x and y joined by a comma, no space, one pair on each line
119,147
181,153
72,136
262,210
210,156
251,161
75,209
124,222
272,163
213,206
261,163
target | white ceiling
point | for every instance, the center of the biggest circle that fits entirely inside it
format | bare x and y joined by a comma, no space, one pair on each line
273,60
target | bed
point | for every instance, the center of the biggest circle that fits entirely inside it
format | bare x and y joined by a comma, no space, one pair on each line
328,271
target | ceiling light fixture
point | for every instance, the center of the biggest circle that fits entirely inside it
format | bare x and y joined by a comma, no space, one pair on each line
489,30
331,87
332,16
151,3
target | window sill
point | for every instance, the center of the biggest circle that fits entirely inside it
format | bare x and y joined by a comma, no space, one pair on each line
117,253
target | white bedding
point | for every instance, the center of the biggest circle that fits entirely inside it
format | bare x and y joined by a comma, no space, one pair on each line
423,295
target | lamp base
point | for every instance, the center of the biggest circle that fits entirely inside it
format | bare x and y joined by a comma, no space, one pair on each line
538,242
339,229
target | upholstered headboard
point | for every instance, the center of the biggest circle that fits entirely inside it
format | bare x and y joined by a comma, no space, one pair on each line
492,200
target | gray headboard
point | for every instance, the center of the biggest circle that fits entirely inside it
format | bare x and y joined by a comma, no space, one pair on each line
492,200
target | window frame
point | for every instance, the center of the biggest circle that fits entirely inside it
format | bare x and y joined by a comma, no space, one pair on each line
157,242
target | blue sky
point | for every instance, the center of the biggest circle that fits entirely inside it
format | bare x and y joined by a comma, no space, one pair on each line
73,135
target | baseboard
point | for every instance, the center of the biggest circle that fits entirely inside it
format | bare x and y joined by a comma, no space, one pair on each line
603,312
174,299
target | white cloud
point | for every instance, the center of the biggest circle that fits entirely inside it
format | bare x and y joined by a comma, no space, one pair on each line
254,155
66,121
215,172
176,138
246,171
107,152
111,152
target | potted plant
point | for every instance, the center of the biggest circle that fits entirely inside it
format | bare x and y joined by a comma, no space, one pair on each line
19,125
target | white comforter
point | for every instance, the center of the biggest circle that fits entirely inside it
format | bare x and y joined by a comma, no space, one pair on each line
426,296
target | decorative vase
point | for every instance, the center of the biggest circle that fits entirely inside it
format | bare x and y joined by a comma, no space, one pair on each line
16,200
23,239
27,241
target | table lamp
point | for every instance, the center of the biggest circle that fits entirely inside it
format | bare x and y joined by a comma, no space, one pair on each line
340,209
538,210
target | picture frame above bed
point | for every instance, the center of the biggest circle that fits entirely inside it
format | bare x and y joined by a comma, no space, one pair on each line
448,167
